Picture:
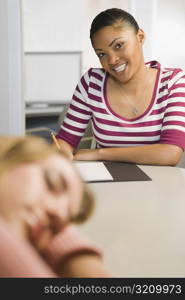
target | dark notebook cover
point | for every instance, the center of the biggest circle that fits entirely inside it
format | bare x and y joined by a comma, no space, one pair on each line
121,171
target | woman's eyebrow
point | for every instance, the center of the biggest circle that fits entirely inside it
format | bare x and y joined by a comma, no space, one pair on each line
111,43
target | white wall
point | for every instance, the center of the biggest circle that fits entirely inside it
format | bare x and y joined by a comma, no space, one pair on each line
11,93
169,33
59,25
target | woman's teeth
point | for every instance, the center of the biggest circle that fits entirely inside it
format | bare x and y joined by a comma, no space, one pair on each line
120,68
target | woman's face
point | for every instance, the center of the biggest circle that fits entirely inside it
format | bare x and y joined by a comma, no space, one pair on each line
43,194
119,50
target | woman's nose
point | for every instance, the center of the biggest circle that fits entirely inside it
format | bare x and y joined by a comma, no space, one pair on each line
113,59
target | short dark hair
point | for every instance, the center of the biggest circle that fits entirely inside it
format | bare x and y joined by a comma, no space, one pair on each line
111,16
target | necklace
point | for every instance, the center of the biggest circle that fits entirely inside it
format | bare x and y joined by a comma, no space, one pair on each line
143,95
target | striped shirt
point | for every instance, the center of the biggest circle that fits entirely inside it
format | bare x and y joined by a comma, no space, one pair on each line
162,122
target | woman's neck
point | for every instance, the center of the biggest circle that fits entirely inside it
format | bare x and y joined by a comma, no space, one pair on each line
139,81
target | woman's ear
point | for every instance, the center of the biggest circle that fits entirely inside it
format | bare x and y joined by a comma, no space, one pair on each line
141,36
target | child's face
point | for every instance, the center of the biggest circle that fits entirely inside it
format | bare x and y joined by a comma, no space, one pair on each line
44,194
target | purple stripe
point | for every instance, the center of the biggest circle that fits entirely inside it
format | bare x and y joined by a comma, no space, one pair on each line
96,75
163,98
177,85
158,111
93,97
72,139
73,128
95,86
98,109
177,95
165,79
122,142
83,82
77,109
119,124
179,123
77,119
76,99
175,113
125,134
163,88
174,137
176,104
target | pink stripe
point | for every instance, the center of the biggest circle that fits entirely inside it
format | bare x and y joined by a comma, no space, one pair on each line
98,109
177,85
119,124
165,78
77,109
175,113
163,98
158,111
73,128
179,123
124,134
96,75
93,97
83,82
176,104
77,119
72,139
177,95
95,86
163,88
121,142
173,137
76,99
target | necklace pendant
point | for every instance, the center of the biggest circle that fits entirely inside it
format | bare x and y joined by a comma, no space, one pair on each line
135,111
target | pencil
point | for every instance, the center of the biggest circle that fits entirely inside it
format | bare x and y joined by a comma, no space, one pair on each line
55,140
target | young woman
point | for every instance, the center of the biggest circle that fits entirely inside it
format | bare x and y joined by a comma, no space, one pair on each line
137,109
41,194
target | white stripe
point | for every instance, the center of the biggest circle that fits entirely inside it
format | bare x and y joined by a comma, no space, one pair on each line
175,108
122,138
128,129
76,124
95,92
78,115
173,127
80,105
71,131
174,118
176,78
178,90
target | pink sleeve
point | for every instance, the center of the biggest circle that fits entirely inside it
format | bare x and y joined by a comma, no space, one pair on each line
66,243
18,258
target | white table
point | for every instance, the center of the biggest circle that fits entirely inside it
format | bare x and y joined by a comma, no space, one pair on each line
141,225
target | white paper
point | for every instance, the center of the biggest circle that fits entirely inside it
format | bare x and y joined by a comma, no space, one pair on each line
93,171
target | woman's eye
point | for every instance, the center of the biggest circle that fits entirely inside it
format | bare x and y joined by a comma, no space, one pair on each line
118,46
100,55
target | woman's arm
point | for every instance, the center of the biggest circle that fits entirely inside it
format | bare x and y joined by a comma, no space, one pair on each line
155,154
66,148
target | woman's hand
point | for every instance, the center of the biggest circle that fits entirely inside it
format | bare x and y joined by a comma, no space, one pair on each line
87,154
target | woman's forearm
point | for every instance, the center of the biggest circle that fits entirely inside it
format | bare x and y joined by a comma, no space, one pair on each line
155,154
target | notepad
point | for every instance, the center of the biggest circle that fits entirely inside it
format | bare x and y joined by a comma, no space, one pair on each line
93,171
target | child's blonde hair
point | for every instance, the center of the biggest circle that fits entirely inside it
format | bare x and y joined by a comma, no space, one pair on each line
16,150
